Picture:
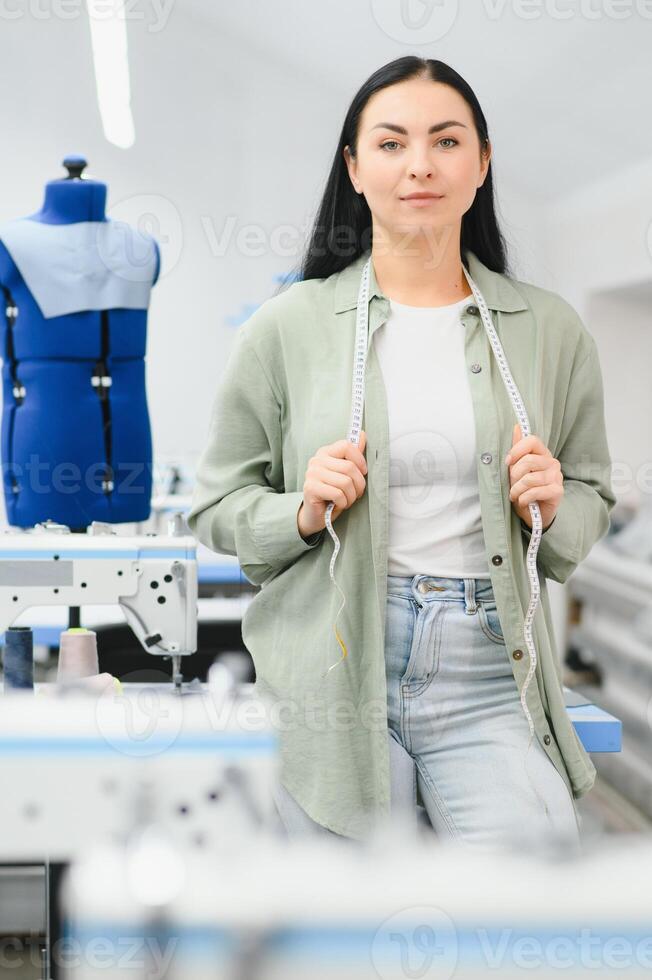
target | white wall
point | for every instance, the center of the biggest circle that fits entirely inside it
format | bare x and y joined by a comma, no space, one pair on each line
598,244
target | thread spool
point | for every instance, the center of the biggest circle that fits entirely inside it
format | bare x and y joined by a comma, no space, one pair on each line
19,659
77,654
98,684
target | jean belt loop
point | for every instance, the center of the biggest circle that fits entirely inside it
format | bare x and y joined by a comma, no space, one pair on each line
470,605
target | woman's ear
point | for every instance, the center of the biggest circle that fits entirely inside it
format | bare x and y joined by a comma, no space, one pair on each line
351,167
486,159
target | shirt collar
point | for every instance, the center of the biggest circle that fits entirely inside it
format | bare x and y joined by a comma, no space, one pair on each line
497,289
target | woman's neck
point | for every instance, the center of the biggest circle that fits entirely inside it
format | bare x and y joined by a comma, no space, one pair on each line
418,276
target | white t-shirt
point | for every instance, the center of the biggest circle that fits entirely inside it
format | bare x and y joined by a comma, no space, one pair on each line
435,524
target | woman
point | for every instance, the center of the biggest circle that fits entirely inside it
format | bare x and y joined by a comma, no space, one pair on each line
434,522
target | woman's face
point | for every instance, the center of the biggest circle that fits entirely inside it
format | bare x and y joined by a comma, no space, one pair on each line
390,164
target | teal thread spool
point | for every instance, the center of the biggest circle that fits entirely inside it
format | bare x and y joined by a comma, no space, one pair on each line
19,658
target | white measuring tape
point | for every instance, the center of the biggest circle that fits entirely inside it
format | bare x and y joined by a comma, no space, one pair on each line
355,428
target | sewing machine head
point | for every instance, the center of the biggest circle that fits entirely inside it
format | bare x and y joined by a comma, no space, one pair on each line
152,577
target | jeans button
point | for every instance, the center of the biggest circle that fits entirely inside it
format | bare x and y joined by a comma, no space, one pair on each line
422,587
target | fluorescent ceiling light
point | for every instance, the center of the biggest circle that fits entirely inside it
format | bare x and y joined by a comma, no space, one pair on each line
110,57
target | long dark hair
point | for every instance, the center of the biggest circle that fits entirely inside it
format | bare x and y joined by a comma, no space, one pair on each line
343,226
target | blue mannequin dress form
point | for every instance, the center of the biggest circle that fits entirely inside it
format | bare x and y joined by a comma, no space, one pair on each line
76,438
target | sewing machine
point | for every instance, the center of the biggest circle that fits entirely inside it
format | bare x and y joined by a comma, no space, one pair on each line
152,577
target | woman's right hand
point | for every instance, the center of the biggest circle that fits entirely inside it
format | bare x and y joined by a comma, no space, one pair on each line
335,473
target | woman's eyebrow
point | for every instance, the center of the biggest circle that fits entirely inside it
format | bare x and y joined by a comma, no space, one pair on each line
433,129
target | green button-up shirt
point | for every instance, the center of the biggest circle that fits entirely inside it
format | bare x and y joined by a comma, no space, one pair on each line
286,391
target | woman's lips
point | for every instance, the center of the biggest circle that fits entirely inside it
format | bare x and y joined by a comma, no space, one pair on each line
420,202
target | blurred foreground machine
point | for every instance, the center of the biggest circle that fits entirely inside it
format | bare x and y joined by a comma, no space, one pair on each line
160,804
397,907
79,769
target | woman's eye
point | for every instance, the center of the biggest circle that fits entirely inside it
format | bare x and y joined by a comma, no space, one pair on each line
444,139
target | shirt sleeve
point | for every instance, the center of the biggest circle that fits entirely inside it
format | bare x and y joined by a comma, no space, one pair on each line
582,517
239,505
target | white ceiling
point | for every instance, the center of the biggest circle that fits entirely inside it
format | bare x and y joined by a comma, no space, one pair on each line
567,101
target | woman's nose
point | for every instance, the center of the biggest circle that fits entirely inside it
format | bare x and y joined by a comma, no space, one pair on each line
421,166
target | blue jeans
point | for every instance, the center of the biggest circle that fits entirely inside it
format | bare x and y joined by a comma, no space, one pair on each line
458,733
454,707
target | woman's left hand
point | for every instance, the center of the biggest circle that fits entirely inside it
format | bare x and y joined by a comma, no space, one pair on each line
534,474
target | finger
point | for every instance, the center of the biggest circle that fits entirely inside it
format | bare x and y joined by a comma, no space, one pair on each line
327,492
513,454
528,463
355,455
517,439
539,478
537,494
532,444
345,449
347,468
346,482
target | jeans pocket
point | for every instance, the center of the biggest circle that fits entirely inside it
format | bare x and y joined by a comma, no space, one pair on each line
489,621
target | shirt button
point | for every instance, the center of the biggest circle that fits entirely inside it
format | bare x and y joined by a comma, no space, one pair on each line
472,310
546,739
476,368
486,457
517,655
497,560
